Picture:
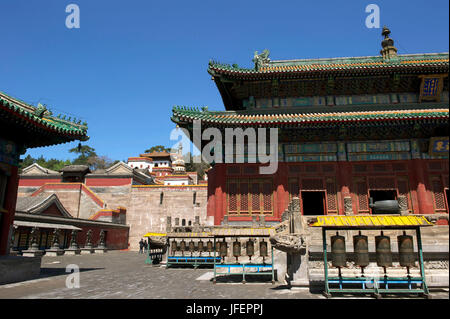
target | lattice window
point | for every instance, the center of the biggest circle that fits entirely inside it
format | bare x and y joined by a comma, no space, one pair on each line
232,198
250,196
363,198
438,194
255,193
312,184
331,197
243,190
267,198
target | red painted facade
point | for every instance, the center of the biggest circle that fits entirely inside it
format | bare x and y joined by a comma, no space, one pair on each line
7,216
237,190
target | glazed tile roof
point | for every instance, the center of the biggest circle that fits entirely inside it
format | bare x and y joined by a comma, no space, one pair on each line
40,118
353,64
156,154
183,114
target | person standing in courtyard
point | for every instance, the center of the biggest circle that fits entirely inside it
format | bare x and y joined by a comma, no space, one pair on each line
145,246
141,246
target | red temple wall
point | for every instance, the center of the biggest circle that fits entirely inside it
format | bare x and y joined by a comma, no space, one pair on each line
423,182
10,208
36,182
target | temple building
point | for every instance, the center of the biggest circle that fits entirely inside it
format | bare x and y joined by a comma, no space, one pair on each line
24,126
351,132
166,168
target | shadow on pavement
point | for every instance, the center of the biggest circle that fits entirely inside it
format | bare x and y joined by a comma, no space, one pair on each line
51,272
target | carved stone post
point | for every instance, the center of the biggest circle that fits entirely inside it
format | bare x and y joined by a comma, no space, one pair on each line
33,246
101,247
54,249
88,245
225,220
55,240
348,208
73,247
296,215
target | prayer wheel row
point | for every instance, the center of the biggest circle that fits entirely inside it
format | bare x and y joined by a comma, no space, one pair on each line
383,250
221,247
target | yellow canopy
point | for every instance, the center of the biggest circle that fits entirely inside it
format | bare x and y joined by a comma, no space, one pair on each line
155,234
371,221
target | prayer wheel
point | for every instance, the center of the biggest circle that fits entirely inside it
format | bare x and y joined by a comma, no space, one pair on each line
217,248
209,246
250,248
338,258
183,245
236,249
173,246
263,248
191,246
223,248
200,246
361,249
383,250
406,250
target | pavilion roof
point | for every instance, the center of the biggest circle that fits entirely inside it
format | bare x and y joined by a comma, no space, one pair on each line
242,118
364,64
155,154
38,123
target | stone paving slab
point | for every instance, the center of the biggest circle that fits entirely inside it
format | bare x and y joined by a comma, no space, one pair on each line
124,274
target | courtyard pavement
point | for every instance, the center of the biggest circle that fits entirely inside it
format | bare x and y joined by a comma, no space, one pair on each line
124,274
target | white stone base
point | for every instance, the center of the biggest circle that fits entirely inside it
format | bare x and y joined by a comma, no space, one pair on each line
32,253
100,250
87,251
54,252
71,252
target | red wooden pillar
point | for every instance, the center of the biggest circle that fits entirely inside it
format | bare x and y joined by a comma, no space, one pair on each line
211,206
281,189
10,207
220,193
344,182
418,178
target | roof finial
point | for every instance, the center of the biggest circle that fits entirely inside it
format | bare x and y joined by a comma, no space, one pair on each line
388,50
261,59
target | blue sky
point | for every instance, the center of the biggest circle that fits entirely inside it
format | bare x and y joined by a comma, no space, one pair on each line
131,61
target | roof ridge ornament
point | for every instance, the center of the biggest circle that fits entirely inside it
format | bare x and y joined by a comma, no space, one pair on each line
261,59
388,51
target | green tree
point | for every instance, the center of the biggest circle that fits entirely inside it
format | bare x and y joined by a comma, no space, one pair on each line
190,166
158,148
86,154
